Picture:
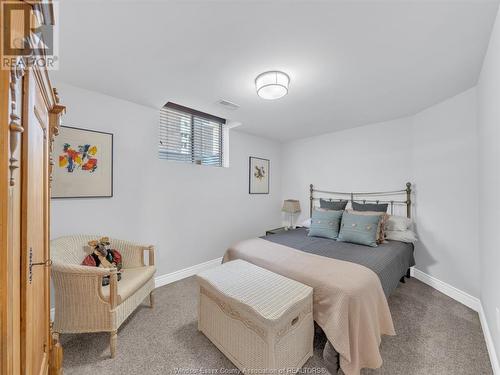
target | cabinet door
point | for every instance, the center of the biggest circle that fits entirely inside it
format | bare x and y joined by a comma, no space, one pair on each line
10,222
35,282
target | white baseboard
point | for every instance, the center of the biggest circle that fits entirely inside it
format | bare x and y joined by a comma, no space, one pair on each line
455,293
186,272
495,365
469,301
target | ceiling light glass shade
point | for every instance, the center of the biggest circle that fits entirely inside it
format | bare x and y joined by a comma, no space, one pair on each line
272,85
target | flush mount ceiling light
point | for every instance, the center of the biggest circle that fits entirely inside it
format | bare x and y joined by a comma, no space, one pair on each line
272,85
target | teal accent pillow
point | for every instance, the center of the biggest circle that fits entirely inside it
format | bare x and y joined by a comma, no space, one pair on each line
359,229
325,224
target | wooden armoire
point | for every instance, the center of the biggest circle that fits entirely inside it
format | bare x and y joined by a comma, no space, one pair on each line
30,115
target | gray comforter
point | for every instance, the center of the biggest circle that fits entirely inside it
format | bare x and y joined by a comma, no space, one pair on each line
389,261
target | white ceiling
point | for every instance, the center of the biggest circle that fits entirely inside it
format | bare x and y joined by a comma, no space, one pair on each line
350,62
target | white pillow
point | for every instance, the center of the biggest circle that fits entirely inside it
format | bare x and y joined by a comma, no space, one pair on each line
401,235
306,223
397,223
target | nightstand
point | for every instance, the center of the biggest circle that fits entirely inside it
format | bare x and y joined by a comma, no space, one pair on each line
277,230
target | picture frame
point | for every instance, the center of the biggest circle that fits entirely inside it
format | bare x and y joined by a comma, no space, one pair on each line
258,175
83,164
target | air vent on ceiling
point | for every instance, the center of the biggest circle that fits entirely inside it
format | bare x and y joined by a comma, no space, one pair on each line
228,104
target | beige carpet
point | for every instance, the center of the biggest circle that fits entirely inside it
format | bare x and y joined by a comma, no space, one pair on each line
436,335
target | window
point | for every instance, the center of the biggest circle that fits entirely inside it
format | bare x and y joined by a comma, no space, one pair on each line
190,136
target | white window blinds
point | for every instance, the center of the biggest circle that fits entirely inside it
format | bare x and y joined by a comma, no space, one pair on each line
190,136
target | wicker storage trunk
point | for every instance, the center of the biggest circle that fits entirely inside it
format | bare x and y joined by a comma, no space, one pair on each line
260,320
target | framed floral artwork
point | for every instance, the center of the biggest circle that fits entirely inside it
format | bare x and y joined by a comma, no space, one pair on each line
83,164
258,175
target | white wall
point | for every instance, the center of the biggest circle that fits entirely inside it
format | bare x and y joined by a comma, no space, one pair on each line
446,189
191,213
374,157
436,150
488,90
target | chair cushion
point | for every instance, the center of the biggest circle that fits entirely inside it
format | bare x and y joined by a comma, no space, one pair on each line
132,280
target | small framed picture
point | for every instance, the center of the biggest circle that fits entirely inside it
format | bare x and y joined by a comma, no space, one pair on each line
83,164
259,170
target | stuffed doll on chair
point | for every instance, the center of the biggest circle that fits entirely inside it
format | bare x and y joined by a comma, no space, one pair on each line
103,256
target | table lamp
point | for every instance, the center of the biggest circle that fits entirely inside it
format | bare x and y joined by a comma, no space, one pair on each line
291,206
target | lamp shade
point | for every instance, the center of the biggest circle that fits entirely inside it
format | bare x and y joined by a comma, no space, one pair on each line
291,206
272,85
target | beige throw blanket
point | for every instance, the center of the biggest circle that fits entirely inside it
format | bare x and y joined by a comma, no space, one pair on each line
349,303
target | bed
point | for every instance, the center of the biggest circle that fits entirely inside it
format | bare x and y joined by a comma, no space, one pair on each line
390,261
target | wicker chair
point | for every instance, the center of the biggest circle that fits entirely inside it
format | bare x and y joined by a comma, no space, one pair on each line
82,304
